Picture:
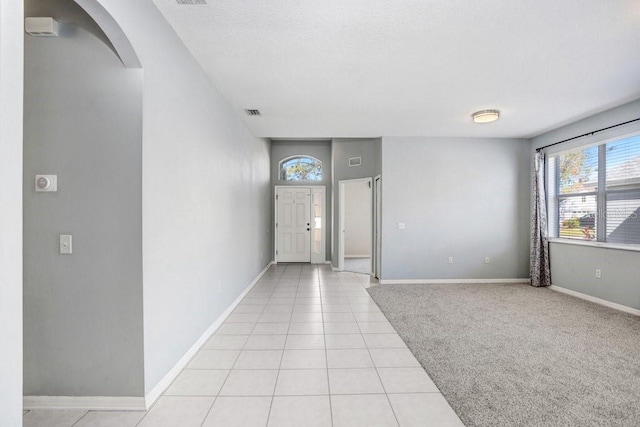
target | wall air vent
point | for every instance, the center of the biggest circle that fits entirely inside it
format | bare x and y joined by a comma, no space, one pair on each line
355,161
252,112
192,1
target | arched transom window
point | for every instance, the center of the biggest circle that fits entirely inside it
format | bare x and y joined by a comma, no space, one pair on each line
301,168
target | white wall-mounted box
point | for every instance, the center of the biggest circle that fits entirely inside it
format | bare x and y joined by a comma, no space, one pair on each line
41,26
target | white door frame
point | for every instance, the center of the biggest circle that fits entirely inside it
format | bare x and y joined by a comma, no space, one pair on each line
315,258
341,218
377,226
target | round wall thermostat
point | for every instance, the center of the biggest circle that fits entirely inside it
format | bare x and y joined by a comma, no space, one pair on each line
46,183
43,183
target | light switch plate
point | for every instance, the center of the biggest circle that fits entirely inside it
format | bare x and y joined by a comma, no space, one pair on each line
66,244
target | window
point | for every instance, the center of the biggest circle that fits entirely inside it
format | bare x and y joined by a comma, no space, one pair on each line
301,168
594,192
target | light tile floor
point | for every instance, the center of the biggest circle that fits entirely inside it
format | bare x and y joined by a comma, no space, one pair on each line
306,347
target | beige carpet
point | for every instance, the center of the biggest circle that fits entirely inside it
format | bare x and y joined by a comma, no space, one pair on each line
514,355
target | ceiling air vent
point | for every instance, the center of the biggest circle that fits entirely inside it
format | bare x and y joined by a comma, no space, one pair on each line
192,1
252,112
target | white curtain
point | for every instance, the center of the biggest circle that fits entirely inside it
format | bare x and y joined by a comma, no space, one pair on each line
540,270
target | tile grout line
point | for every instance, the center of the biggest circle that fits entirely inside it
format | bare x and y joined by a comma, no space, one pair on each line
326,355
78,420
275,385
215,398
230,370
176,378
347,292
271,402
378,374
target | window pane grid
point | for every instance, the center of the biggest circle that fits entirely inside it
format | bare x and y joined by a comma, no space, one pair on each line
622,216
591,193
623,164
301,168
552,199
577,217
594,193
578,171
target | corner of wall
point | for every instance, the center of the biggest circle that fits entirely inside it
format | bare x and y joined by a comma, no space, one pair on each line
11,118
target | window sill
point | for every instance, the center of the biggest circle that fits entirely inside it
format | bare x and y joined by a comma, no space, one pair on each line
603,245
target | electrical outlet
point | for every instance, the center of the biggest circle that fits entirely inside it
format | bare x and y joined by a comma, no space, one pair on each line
487,260
598,273
450,260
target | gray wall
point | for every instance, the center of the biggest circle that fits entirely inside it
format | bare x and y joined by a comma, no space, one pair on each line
206,194
321,150
462,197
573,266
343,149
11,84
192,215
83,122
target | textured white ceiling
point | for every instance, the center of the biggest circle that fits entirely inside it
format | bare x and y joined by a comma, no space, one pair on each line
362,68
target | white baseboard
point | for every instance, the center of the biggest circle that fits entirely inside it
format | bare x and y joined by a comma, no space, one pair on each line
449,281
357,256
89,403
166,381
600,301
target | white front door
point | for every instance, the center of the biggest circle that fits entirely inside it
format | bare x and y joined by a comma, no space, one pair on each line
293,224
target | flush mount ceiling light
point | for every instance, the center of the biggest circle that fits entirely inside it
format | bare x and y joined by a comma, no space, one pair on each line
485,116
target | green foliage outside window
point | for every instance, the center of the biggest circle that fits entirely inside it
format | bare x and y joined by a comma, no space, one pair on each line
301,169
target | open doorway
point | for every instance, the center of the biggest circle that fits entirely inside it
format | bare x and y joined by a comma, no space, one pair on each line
377,226
356,226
